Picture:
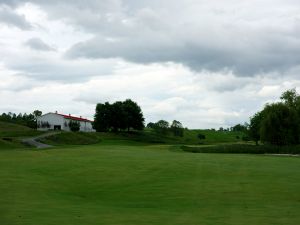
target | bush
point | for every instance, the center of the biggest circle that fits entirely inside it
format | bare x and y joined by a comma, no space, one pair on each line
201,136
245,149
74,125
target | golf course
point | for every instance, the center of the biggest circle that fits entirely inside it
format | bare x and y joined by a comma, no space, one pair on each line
118,180
150,112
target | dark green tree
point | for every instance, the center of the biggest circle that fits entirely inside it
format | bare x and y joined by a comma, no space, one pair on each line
280,126
22,119
118,116
36,114
162,127
74,125
239,127
133,115
177,128
151,125
201,136
278,123
255,126
290,98
102,118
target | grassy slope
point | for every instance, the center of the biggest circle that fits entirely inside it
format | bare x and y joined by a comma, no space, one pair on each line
243,148
72,138
121,182
147,136
10,135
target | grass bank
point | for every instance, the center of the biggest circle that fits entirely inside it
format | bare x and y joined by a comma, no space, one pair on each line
11,135
147,136
243,148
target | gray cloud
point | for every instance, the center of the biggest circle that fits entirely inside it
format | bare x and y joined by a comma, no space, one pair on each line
57,69
247,37
235,41
273,55
9,17
38,44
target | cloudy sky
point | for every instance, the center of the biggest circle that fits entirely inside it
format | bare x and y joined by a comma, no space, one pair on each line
206,63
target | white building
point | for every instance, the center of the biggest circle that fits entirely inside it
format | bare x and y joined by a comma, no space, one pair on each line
56,121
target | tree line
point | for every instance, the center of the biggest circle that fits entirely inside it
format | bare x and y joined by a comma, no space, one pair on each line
278,123
118,116
163,127
22,119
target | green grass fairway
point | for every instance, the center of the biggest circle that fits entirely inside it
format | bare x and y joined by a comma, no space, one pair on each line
120,182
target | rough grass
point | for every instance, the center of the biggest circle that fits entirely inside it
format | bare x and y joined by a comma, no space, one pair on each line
146,136
11,135
123,182
212,136
10,144
72,138
243,148
15,130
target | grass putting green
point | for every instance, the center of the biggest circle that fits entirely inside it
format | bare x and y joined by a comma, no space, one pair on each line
122,182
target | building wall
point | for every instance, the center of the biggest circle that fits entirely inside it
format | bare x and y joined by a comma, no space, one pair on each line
58,120
84,126
53,119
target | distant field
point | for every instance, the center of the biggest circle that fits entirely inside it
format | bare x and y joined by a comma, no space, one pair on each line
124,182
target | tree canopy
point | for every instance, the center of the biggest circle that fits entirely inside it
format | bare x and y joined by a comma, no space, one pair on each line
177,128
163,127
278,123
121,115
74,125
22,119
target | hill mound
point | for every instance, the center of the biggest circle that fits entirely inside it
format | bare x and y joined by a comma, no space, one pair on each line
72,138
16,130
4,127
11,135
147,136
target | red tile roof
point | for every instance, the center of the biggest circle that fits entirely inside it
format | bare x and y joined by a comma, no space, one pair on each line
74,118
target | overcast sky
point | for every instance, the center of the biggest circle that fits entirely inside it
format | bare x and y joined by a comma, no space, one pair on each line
206,63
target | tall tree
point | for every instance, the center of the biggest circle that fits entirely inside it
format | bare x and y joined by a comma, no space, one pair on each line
102,117
74,125
290,98
280,125
37,113
133,115
118,116
162,127
255,126
177,128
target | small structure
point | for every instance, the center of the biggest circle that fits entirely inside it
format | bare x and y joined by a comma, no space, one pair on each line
57,121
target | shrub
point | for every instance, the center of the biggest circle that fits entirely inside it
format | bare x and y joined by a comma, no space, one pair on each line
74,125
244,149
